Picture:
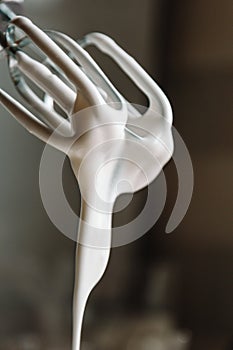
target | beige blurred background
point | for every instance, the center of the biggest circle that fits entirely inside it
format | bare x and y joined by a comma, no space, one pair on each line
178,286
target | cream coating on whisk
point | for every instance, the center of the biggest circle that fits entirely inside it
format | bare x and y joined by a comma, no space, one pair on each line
103,136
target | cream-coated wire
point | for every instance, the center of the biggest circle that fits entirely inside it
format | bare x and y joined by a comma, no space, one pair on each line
91,262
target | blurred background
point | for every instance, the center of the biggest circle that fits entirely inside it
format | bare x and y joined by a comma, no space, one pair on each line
162,292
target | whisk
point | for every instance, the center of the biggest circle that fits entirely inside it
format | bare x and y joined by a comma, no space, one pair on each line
108,141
